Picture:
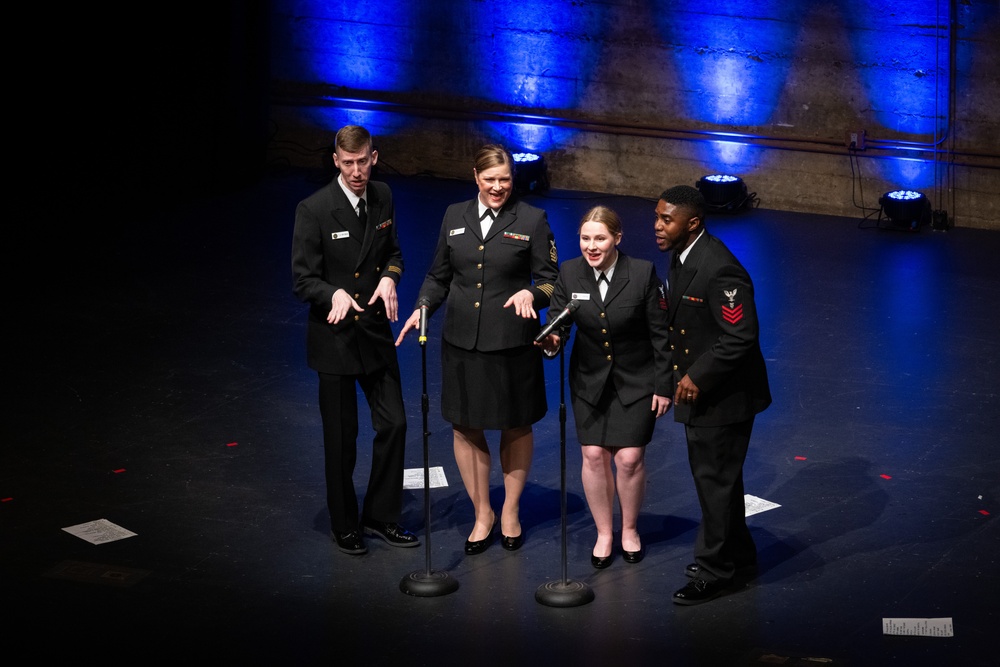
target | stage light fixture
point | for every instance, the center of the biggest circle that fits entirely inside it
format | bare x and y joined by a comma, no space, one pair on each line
905,208
723,192
530,173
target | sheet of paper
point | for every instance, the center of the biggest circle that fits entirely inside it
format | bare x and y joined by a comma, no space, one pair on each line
755,505
918,627
99,532
413,478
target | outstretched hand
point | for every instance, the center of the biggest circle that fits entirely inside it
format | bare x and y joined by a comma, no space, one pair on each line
524,304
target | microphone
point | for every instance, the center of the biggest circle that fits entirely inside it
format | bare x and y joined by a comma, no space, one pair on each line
423,325
567,311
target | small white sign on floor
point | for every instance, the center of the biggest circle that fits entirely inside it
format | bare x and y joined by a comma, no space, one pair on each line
99,532
755,505
413,478
919,627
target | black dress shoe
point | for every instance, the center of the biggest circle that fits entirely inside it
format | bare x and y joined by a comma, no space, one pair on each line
600,563
479,546
698,590
692,569
512,543
633,556
350,542
392,533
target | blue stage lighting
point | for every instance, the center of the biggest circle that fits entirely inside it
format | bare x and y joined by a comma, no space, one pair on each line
529,173
724,192
905,208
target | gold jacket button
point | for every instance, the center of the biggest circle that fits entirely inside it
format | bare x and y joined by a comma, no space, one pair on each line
481,247
607,344
479,266
609,357
476,304
479,286
357,275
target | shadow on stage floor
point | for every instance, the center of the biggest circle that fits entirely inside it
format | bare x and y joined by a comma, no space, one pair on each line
158,382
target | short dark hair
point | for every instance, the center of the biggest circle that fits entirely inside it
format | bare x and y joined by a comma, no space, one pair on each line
685,196
353,139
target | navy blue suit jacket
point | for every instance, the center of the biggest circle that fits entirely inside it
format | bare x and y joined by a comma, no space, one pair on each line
330,251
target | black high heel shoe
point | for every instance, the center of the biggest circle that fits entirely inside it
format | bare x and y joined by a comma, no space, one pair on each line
600,563
512,543
633,556
479,546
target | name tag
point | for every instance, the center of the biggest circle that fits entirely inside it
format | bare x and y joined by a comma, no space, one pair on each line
340,235
456,232
580,296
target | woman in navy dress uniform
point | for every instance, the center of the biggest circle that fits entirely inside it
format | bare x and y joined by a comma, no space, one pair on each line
494,267
619,374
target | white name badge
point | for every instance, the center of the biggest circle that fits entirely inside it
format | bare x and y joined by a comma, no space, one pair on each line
340,235
580,296
455,232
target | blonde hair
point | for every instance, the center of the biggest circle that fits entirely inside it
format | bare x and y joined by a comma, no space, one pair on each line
605,216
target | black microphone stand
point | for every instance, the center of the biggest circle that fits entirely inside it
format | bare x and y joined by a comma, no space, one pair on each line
427,582
565,592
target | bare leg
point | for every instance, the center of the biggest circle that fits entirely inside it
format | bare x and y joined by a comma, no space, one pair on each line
517,446
472,454
599,487
631,475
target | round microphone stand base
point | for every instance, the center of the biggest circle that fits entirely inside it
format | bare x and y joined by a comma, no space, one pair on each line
428,584
564,594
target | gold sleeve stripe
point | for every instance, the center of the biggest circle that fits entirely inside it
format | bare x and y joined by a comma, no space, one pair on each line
548,288
396,270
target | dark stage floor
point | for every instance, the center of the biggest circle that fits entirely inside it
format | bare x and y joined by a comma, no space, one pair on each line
158,383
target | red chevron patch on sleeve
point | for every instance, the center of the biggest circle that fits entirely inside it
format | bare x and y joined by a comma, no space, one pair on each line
732,315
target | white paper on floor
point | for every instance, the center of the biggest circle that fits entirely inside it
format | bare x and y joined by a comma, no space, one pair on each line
99,532
413,478
918,627
755,505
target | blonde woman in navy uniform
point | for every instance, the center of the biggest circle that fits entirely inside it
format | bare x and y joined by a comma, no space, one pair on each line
495,267
619,374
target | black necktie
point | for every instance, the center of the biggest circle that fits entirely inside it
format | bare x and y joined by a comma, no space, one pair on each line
603,278
362,213
487,212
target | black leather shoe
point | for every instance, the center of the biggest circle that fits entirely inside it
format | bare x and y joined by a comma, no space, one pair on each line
633,556
350,542
600,563
698,590
512,543
692,569
392,533
479,546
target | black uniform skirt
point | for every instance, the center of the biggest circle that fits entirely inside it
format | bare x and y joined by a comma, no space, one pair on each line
492,390
612,424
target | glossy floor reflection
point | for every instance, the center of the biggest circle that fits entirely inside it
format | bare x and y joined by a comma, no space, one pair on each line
158,383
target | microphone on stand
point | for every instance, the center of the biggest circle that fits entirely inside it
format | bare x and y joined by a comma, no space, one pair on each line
551,326
423,324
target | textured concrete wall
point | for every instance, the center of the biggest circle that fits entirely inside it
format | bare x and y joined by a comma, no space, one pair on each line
627,103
